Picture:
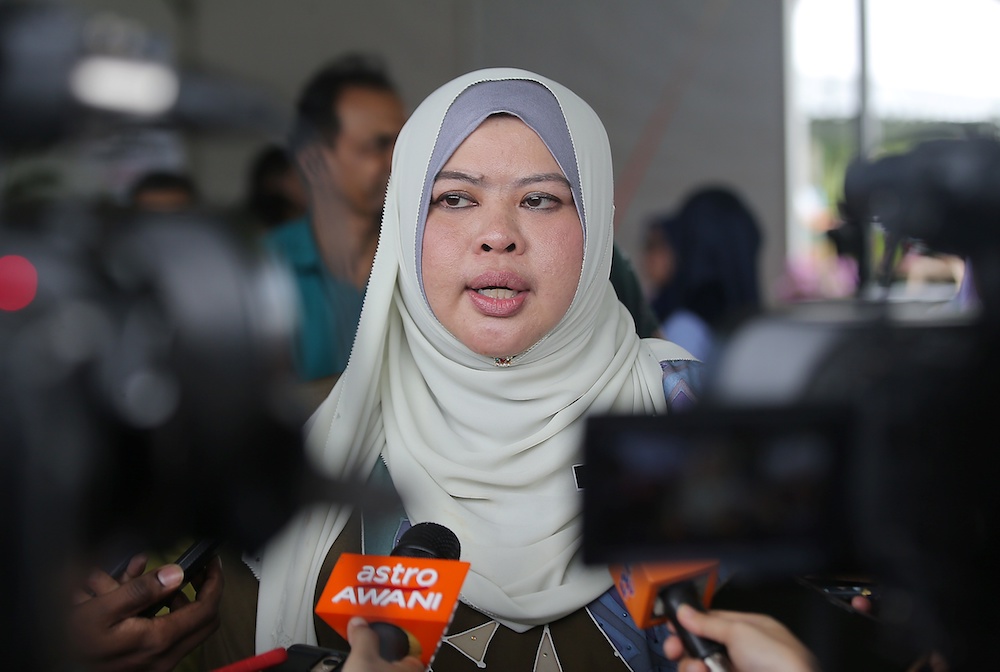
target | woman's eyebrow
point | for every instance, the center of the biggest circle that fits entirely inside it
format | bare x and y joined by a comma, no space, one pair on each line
522,182
459,175
544,177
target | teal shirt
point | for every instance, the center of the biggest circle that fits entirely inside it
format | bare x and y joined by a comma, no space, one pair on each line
329,308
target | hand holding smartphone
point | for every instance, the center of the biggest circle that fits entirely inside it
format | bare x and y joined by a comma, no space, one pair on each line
193,560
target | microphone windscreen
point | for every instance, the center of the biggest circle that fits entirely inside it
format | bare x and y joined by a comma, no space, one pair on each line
428,540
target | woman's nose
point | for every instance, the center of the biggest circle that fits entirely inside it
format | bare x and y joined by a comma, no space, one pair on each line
500,233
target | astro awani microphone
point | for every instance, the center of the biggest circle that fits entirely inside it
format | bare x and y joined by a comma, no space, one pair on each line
653,592
414,591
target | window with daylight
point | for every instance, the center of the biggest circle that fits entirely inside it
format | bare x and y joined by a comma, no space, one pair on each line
869,78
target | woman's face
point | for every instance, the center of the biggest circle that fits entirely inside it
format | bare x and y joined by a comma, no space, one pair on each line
503,243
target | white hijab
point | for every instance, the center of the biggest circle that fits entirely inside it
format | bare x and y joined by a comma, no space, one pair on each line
486,451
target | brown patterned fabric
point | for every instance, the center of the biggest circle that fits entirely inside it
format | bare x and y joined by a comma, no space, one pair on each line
579,645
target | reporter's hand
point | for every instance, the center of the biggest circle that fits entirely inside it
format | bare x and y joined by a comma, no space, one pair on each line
106,633
755,642
364,652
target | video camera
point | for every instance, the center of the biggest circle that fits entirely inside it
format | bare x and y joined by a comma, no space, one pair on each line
146,395
849,438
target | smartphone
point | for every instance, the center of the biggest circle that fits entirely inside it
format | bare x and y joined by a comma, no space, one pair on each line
305,658
118,568
193,560
841,590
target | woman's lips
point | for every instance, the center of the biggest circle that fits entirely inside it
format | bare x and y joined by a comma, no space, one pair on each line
497,302
498,293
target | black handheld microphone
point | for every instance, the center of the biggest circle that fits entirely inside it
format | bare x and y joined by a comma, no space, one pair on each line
408,597
710,652
423,540
428,540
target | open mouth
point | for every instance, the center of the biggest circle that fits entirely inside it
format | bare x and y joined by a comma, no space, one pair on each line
497,292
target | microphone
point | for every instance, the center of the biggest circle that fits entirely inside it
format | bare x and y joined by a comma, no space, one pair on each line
408,597
653,592
709,651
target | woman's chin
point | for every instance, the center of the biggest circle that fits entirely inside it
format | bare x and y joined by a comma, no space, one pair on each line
494,344
504,349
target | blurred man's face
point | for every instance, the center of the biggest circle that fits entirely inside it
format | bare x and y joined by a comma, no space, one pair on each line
360,156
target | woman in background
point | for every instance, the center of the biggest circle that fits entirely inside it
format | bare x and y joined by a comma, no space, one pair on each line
702,264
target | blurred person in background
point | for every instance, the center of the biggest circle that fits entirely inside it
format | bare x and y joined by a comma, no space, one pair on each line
348,117
701,264
275,193
163,191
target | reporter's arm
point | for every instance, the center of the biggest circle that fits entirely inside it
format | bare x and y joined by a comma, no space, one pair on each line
107,634
364,655
755,642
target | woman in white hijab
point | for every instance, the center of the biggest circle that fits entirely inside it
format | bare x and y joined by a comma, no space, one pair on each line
489,332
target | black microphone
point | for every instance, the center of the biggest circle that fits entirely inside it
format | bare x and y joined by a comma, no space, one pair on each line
428,540
423,540
710,652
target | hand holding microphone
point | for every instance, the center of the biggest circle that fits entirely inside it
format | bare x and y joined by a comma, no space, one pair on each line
682,596
393,610
719,641
754,642
653,593
365,657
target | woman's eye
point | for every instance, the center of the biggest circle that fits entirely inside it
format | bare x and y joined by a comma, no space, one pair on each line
452,200
541,201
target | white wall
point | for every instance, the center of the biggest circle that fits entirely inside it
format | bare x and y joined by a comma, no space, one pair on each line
691,91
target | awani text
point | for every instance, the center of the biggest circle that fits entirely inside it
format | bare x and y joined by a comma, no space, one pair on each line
411,580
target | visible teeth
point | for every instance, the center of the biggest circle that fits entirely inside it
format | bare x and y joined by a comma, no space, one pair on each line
497,292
